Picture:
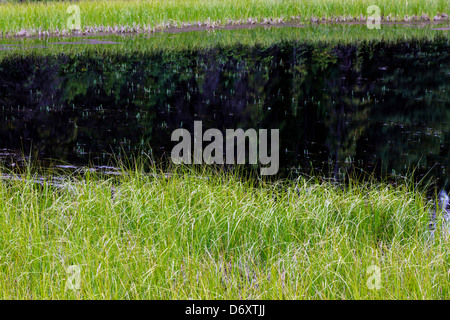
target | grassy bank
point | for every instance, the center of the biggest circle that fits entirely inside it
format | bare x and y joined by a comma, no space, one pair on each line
204,40
215,236
144,16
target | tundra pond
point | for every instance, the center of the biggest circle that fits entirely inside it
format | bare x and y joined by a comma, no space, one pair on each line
352,106
378,107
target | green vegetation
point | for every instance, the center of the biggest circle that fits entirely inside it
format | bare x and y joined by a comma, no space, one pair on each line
216,236
213,235
214,38
135,16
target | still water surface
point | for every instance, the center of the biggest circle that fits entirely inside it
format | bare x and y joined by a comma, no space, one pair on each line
380,107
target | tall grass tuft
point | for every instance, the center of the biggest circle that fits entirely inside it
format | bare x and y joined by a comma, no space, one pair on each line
214,235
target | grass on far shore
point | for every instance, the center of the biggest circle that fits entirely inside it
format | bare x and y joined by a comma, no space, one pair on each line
168,43
143,16
216,236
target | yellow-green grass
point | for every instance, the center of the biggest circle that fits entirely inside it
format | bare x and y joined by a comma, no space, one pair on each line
217,236
31,17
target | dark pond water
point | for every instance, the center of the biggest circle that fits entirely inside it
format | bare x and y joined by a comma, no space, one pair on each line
380,107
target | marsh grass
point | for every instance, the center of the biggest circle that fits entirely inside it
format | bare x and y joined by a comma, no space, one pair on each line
167,43
213,235
52,16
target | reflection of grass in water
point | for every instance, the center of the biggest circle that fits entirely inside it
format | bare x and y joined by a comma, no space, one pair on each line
53,15
219,38
190,237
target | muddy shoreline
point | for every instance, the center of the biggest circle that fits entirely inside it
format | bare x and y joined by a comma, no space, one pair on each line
277,23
